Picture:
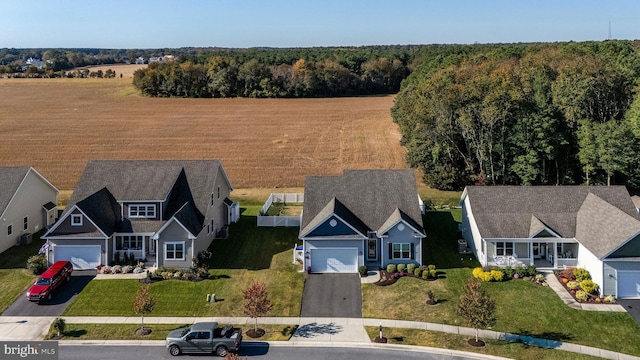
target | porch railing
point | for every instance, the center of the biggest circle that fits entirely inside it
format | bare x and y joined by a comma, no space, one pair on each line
564,262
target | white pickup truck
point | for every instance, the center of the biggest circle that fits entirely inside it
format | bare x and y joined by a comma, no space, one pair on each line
204,337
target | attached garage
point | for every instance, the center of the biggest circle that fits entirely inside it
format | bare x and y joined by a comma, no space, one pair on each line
82,257
334,260
628,284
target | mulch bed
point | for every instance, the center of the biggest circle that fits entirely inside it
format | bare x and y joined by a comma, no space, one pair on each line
143,332
590,300
390,280
379,340
475,343
255,333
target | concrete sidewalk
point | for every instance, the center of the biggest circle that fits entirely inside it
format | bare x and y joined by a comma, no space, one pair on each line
311,331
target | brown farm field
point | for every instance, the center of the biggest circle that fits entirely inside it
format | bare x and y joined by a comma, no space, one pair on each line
57,125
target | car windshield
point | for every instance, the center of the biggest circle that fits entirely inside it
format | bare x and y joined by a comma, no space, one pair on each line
185,331
43,281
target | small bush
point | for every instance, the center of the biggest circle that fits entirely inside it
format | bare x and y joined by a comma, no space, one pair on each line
417,272
431,297
362,270
610,299
37,264
433,274
496,275
539,278
531,270
581,274
581,295
425,274
59,324
589,286
401,267
573,285
508,272
116,257
477,272
391,268
411,268
431,267
116,269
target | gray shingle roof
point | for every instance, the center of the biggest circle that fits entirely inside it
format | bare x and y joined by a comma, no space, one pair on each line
10,179
599,217
370,196
140,180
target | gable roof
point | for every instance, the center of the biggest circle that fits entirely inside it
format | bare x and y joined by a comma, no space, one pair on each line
149,180
599,217
364,198
10,179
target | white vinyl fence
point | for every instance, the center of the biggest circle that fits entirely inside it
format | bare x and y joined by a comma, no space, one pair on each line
273,221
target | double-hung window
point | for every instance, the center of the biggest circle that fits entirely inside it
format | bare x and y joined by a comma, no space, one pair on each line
174,250
504,248
401,251
25,223
142,211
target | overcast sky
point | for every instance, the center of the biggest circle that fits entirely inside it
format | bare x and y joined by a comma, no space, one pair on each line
284,23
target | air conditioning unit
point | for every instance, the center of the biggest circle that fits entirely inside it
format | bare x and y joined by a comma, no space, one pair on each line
26,239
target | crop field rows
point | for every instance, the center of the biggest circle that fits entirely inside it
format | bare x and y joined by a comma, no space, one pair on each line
57,125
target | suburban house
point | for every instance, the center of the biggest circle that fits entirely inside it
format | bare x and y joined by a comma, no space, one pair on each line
28,203
364,217
554,227
155,210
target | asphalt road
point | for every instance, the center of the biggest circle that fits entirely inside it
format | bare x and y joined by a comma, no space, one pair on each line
260,351
332,295
62,297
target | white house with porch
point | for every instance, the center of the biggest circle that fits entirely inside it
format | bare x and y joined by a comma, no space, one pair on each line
554,227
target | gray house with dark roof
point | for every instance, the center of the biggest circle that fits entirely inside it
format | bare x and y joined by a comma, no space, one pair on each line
164,211
28,203
553,227
364,217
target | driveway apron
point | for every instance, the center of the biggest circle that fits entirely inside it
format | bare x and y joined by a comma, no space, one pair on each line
332,295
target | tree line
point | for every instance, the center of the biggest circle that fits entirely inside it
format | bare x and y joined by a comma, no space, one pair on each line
564,113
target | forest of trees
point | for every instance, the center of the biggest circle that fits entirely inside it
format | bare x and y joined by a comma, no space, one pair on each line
525,114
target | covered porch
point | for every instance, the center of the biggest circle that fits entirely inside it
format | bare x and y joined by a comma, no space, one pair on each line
544,253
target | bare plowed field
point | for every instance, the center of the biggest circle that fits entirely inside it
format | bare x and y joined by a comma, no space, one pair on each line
57,125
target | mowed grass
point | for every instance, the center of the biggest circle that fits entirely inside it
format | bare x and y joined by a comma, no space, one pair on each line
521,307
459,342
13,283
159,331
250,254
265,143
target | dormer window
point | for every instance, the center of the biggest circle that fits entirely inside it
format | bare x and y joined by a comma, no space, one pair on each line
76,220
142,211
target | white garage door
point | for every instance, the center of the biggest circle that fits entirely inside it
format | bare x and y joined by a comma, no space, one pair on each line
82,257
336,260
628,284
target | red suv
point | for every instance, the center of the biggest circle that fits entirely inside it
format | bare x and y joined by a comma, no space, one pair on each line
55,275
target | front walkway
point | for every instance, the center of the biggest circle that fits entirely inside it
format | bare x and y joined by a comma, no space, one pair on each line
554,284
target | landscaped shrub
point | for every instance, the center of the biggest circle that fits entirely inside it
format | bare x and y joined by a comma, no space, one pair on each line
411,268
496,275
391,268
573,285
417,272
37,264
508,272
568,274
116,257
433,274
581,274
59,324
431,267
581,295
610,299
477,272
589,286
531,270
401,267
425,274
362,270
127,269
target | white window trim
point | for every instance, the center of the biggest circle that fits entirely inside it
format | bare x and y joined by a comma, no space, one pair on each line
175,243
146,208
393,257
76,219
9,227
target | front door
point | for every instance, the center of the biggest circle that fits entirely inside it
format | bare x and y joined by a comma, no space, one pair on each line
152,246
372,249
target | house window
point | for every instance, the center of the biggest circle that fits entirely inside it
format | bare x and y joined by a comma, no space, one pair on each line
401,251
211,199
76,220
129,242
218,192
25,223
142,211
9,230
174,250
504,249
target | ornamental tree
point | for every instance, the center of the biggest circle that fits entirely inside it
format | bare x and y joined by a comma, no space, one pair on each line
256,301
476,307
143,302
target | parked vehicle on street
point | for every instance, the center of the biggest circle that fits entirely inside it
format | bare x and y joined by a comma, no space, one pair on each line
204,337
43,288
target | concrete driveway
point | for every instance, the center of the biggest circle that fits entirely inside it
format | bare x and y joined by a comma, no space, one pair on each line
62,297
332,295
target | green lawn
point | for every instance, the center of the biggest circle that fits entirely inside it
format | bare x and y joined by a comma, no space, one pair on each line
522,307
249,254
159,331
16,257
13,283
459,342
